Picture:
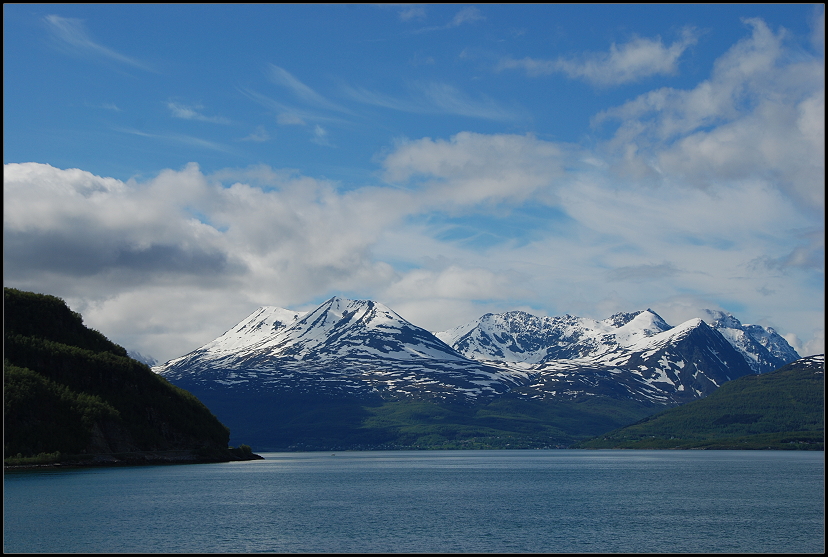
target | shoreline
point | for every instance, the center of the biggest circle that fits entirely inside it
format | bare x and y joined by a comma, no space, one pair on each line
136,458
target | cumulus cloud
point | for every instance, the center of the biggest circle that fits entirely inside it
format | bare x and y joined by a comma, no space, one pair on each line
472,168
730,218
760,116
638,59
815,345
286,243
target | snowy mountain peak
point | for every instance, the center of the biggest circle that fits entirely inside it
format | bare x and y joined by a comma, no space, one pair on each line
256,328
343,347
720,319
762,347
517,336
363,348
648,316
621,318
337,314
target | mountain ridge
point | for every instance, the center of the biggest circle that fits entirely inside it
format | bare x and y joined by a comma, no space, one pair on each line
362,358
782,409
364,348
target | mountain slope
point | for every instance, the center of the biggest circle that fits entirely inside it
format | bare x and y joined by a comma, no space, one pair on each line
353,373
629,355
68,389
520,337
357,348
762,347
781,409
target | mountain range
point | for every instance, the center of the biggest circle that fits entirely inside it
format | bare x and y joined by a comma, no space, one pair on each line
364,352
362,347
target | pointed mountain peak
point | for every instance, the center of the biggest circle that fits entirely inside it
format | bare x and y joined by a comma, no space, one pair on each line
257,327
621,318
720,319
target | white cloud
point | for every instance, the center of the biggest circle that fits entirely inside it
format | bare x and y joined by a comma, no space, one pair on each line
179,138
104,242
259,135
816,345
731,218
466,15
760,116
412,12
472,168
188,112
453,283
638,59
437,98
287,115
282,77
73,35
320,136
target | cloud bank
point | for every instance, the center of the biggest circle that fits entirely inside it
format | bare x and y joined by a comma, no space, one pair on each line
711,196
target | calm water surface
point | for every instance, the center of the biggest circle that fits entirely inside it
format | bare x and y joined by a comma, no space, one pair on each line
430,501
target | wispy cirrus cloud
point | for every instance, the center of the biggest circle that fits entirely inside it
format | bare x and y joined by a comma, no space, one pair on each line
466,15
412,12
437,98
632,61
259,135
282,77
191,112
179,138
72,34
320,136
287,114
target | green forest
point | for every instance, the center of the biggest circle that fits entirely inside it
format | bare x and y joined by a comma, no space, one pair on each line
70,394
784,409
289,422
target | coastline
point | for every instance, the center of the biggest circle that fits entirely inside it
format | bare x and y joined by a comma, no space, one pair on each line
136,458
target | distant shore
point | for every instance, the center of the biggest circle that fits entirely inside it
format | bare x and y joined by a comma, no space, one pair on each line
137,458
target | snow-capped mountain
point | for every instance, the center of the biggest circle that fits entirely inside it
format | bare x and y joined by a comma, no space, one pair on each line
680,364
355,347
520,337
363,348
763,348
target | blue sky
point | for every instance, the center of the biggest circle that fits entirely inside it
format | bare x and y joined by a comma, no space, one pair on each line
168,169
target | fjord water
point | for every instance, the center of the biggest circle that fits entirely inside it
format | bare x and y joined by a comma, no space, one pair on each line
429,501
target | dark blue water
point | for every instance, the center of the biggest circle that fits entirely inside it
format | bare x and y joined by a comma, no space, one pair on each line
430,501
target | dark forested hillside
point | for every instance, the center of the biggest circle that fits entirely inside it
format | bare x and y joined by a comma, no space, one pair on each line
69,390
783,409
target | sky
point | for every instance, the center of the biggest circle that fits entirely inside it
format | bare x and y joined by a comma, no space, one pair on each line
168,169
